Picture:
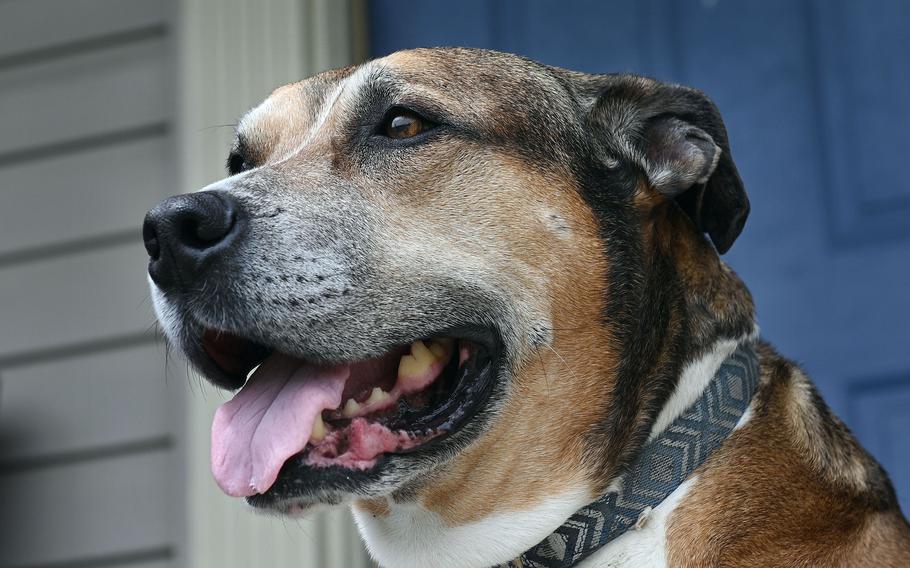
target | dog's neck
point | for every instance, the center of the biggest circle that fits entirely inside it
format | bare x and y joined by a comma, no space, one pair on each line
670,456
671,344
407,533
687,303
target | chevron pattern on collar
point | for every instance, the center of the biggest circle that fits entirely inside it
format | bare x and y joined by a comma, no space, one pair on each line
665,462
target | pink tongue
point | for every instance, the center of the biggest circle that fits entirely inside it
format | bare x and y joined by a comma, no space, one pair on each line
269,421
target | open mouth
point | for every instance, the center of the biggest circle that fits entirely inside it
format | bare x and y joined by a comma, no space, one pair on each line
346,415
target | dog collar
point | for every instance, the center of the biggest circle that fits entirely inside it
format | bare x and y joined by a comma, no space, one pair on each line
665,462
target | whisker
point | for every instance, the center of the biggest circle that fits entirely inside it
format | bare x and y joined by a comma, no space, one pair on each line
546,375
207,128
564,362
145,300
151,326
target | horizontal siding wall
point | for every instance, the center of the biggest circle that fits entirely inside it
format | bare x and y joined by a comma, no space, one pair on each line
126,177
62,407
87,509
83,97
35,30
103,459
89,411
86,295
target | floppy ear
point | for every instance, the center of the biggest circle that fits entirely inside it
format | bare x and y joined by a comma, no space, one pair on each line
677,138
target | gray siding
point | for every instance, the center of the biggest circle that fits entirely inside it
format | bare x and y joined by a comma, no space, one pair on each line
88,423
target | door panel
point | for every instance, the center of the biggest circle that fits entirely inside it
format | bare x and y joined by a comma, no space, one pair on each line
865,116
814,96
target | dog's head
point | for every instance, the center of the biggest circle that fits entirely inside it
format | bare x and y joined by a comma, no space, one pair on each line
460,276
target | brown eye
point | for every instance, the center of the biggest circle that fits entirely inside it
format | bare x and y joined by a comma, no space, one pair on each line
402,124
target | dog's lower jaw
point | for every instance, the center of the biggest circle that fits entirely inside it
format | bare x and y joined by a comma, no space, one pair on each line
404,535
410,534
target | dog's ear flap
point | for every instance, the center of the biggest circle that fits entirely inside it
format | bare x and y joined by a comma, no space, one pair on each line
677,138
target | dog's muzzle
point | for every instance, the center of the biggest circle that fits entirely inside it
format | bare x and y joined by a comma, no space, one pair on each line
184,234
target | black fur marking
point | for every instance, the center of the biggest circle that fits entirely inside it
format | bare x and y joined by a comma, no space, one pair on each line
642,296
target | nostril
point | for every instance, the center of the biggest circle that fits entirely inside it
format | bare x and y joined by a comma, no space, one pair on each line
202,229
210,232
150,239
185,234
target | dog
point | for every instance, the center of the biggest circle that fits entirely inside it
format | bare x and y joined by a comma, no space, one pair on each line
475,297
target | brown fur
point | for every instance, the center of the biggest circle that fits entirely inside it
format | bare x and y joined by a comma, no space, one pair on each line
774,496
557,379
378,507
554,380
632,291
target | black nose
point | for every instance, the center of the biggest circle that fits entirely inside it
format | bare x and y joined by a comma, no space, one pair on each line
185,233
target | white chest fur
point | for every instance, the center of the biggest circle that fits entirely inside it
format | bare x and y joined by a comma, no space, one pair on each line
411,535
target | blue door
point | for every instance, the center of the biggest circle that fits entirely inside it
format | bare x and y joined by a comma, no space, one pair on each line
815,95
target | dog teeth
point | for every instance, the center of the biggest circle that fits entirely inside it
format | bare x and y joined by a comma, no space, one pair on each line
421,358
351,408
318,433
442,348
377,396
464,353
421,352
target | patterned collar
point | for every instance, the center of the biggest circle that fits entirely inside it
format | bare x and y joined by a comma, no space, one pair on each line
665,462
